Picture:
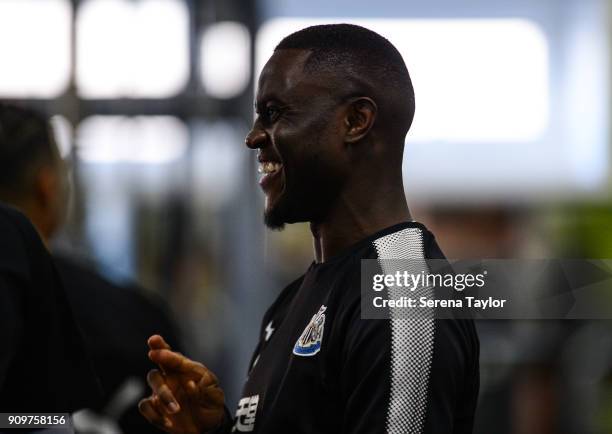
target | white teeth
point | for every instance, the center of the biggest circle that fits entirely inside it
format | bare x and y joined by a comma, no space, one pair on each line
269,167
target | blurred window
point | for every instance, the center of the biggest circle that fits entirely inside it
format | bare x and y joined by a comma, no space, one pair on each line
216,159
127,163
139,139
34,48
225,59
132,49
63,133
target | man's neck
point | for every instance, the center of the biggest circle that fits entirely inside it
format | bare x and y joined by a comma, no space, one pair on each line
352,221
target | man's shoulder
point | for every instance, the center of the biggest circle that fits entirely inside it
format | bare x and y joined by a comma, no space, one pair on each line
283,299
407,240
19,242
12,217
12,223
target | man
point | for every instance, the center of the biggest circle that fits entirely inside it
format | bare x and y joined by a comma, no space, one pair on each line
334,104
114,320
43,364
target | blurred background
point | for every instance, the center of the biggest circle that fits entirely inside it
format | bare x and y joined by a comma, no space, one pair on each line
508,157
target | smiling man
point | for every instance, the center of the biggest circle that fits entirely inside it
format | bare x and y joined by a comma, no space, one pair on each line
334,104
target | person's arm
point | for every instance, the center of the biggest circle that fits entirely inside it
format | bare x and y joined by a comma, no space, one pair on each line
11,324
398,376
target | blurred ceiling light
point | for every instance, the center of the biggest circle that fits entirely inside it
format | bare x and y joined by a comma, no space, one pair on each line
225,59
140,139
63,132
476,80
34,47
132,49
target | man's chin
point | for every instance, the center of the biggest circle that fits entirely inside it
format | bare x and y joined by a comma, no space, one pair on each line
277,217
273,223
284,211
275,214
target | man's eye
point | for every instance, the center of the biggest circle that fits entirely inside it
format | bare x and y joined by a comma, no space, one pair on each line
272,113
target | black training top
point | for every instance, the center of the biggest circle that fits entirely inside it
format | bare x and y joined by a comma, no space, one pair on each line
44,367
320,368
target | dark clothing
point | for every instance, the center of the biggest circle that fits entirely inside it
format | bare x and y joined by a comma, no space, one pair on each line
43,363
320,368
116,323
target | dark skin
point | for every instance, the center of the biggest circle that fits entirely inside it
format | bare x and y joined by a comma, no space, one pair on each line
332,168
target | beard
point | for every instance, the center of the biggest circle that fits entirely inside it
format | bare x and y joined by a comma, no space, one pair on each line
274,219
305,198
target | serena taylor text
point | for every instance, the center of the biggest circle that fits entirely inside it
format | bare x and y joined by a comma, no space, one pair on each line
411,302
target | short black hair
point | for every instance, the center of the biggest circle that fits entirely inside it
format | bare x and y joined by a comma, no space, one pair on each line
354,52
26,143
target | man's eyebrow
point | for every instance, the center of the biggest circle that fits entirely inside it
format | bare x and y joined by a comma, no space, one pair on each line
261,102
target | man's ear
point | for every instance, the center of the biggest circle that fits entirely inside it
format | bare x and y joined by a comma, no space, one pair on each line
359,119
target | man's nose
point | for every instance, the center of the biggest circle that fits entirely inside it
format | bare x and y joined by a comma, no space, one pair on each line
256,138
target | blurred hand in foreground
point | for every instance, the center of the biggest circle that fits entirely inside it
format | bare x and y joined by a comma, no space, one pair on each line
186,397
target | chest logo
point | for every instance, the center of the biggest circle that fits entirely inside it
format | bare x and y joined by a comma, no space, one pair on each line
309,342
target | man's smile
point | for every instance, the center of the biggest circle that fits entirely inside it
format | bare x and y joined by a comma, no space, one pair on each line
271,169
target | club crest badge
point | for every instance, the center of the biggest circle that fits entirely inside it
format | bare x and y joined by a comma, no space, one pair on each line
309,342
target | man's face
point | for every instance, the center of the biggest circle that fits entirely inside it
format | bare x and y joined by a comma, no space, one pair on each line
299,141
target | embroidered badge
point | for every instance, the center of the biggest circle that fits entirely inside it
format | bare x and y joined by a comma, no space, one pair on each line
309,342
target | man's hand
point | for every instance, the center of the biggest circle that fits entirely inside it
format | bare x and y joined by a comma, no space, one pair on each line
186,397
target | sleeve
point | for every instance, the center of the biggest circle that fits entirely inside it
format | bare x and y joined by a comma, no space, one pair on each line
406,376
11,325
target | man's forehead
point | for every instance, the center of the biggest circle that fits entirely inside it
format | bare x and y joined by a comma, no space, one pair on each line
283,71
